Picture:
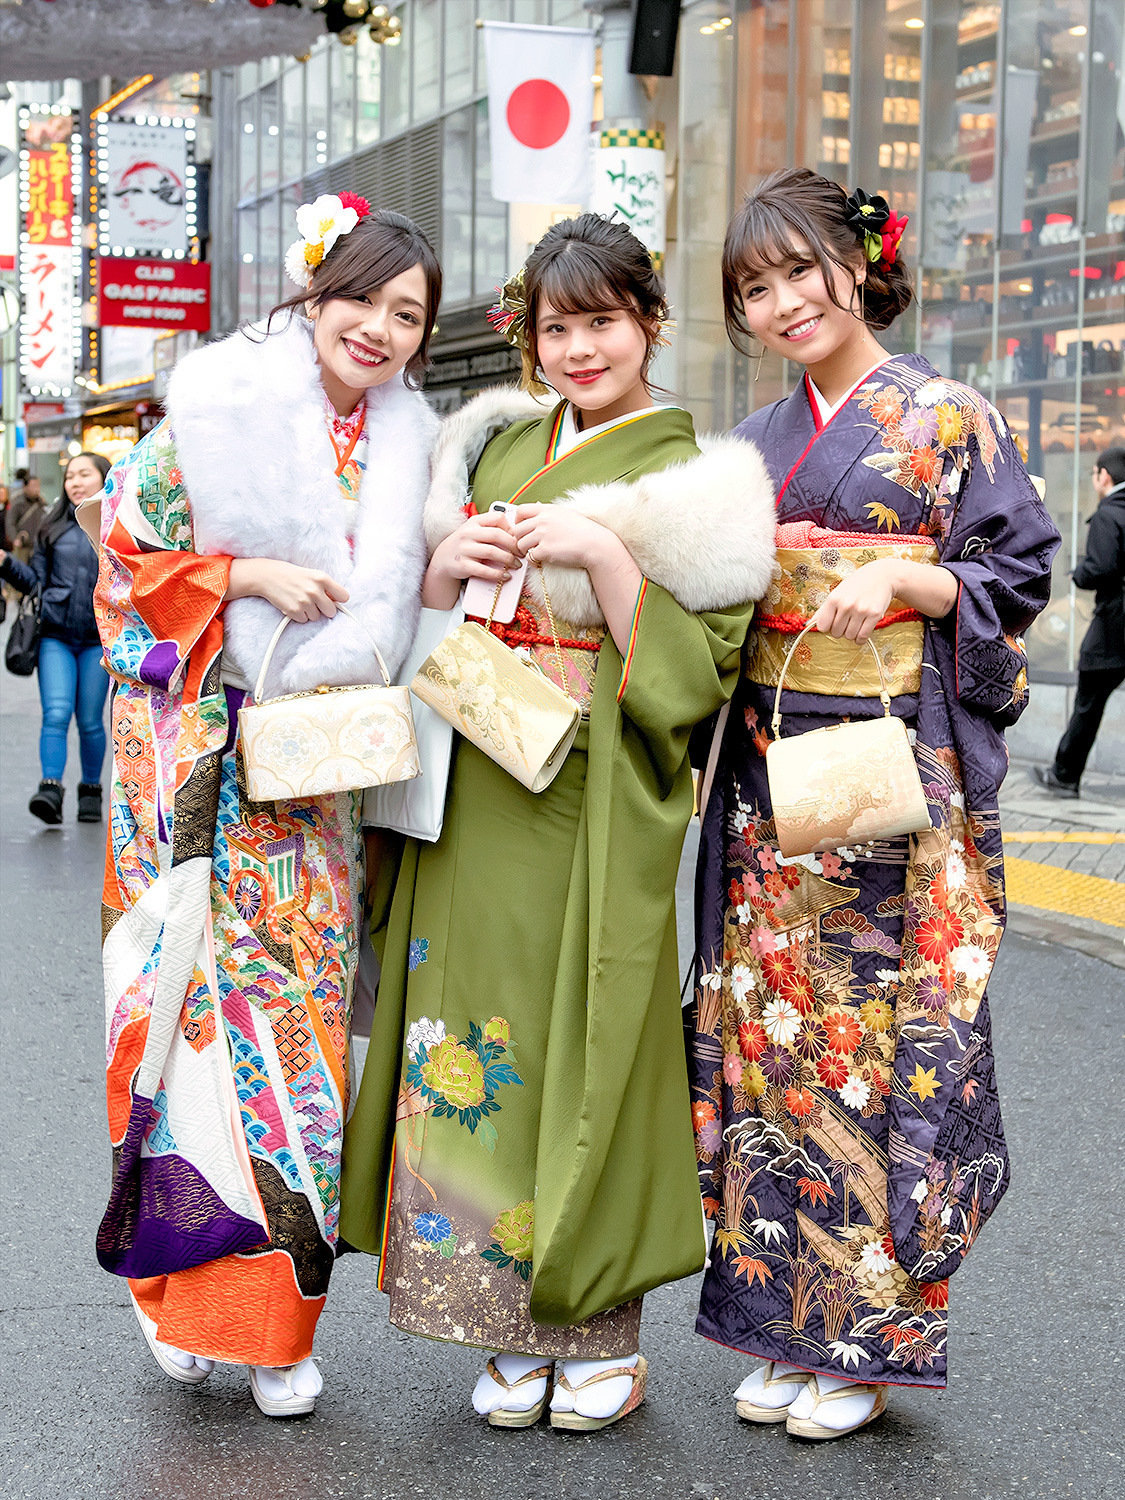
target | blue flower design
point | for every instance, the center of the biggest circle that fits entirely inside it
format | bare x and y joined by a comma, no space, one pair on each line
419,952
432,1227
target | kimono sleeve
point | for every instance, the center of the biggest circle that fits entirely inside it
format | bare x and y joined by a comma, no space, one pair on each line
999,547
679,668
157,602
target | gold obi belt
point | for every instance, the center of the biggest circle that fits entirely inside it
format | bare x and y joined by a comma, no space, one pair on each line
810,563
530,635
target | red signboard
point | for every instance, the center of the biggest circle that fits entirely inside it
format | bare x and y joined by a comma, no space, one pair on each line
47,218
156,294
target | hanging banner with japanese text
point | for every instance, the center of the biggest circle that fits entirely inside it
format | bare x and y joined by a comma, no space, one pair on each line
48,196
629,184
47,331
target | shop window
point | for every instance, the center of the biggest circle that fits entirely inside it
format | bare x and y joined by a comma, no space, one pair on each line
270,236
457,206
248,147
269,138
341,133
396,77
316,109
460,43
490,250
292,122
247,264
426,49
368,80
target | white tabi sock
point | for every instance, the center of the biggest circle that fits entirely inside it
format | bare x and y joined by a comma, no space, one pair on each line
306,1380
841,1414
489,1395
600,1400
781,1393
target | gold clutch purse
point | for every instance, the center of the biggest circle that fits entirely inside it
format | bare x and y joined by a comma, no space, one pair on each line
846,784
329,739
506,706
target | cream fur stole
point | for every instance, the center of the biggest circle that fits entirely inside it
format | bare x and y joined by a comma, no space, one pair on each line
703,529
247,415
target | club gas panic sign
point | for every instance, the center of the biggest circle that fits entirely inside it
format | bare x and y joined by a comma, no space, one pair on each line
156,294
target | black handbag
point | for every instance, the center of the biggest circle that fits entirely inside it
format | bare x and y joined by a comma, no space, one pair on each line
21,655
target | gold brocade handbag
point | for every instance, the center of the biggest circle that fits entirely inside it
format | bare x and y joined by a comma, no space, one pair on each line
329,739
505,705
846,784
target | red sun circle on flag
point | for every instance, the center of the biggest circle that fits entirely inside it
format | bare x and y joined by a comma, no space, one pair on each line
538,113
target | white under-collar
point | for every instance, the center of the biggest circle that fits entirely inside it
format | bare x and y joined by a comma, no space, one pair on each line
570,436
826,410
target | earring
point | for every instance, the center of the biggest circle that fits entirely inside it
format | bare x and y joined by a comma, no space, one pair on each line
758,361
862,315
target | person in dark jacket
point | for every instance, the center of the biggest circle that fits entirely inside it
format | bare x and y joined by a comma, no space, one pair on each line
72,680
1101,661
24,516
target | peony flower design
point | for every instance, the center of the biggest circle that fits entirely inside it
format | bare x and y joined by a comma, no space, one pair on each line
424,1033
454,1078
455,1073
512,1235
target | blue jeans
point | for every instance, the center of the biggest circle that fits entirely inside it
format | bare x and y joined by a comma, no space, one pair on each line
72,682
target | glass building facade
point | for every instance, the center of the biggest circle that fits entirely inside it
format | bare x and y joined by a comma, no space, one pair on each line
998,128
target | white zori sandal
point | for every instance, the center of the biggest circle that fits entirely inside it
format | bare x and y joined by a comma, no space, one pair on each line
767,1394
829,1407
178,1364
286,1390
503,1401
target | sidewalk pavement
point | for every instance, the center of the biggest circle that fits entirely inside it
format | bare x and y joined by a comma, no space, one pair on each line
1064,862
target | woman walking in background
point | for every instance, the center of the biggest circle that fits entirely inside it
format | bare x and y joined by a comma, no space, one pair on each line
72,681
288,478
847,1120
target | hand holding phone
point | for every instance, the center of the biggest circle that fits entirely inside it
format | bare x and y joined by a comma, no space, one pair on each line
479,593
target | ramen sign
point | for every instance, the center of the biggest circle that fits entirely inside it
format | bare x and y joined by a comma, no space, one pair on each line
170,295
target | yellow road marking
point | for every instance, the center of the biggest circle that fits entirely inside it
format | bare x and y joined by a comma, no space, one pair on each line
1052,889
1045,836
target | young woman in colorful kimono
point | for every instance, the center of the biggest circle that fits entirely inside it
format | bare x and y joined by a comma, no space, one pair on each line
288,478
520,1155
847,1121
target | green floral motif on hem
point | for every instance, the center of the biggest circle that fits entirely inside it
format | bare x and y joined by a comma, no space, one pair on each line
512,1240
450,1078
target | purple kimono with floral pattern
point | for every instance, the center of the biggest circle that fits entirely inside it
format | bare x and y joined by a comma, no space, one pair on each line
846,1113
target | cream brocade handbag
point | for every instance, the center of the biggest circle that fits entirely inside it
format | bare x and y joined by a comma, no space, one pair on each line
328,739
505,705
845,784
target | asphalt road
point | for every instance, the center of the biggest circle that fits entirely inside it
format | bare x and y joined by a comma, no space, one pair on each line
1035,1402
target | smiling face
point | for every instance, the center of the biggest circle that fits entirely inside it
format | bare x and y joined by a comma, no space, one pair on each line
790,308
366,340
83,479
594,359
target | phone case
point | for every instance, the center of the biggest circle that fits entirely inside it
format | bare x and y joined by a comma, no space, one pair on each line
478,595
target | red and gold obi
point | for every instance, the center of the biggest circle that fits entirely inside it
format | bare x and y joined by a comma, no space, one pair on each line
810,563
529,634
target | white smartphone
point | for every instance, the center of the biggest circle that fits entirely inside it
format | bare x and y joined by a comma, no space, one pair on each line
479,593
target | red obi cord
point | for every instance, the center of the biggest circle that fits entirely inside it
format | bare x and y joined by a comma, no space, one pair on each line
794,624
524,631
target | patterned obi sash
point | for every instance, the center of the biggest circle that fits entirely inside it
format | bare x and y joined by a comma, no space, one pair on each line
529,634
810,563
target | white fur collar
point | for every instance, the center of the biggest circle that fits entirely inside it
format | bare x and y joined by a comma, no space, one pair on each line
703,529
247,416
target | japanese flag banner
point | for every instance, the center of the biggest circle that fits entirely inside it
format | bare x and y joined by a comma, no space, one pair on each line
540,108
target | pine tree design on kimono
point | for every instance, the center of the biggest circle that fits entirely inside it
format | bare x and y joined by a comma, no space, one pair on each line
451,1079
921,430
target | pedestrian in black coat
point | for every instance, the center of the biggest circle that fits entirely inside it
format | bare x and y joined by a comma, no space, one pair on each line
1101,661
72,681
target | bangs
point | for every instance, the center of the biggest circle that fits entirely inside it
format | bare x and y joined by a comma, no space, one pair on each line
761,238
577,281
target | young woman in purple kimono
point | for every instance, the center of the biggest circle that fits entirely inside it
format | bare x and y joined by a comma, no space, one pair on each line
845,1104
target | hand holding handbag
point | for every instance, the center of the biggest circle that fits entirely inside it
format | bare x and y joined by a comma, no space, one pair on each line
328,739
505,705
846,784
21,654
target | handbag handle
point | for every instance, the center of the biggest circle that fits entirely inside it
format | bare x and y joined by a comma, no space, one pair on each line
261,682
550,617
884,696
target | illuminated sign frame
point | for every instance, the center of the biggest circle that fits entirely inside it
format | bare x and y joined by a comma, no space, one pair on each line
29,378
174,122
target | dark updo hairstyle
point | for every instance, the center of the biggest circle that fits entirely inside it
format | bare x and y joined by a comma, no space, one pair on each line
800,202
382,246
593,264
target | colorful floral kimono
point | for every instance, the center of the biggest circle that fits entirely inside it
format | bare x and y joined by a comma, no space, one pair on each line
847,1121
520,1156
230,926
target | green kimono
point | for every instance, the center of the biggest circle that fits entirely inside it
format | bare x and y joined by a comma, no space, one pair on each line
521,1154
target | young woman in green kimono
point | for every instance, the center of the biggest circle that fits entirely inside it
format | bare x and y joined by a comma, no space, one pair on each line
520,1157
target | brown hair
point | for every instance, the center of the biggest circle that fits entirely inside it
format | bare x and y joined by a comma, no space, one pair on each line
382,246
802,203
593,264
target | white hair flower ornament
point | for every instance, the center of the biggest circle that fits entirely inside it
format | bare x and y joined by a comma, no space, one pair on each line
321,224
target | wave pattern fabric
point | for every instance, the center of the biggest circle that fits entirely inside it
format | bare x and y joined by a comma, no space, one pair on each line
230,943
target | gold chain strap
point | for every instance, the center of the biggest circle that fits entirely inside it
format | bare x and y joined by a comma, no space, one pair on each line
550,617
